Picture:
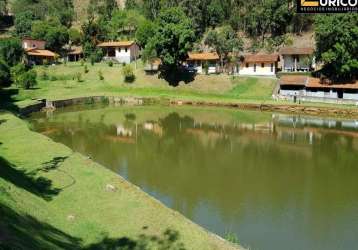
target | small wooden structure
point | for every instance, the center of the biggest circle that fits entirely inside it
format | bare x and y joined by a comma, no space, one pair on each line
75,54
199,62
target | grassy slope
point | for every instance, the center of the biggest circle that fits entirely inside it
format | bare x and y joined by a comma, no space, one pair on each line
83,212
213,87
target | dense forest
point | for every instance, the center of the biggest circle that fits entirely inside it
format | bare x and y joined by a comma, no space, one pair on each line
168,29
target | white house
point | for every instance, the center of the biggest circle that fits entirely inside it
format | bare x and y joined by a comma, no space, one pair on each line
297,59
259,64
120,51
199,61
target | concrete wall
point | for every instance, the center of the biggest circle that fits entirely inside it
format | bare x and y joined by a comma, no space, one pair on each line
324,94
260,71
126,55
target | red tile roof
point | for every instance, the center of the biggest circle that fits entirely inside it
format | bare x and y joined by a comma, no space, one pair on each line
311,82
251,58
116,44
41,53
293,80
203,56
296,51
316,83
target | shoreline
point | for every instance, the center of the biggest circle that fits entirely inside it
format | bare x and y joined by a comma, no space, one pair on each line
316,110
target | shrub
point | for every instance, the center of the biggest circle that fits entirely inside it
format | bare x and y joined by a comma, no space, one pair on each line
28,79
44,75
86,69
100,75
16,72
128,74
206,68
110,63
82,62
53,78
5,78
79,77
93,59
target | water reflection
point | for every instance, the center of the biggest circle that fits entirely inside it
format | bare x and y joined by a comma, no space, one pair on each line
277,181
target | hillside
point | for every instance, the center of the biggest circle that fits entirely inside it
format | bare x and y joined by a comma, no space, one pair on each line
81,9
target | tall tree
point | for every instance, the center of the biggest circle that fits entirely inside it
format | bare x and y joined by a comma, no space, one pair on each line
174,36
52,31
11,51
337,45
224,41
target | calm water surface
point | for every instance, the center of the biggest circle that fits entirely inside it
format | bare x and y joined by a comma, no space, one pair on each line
276,181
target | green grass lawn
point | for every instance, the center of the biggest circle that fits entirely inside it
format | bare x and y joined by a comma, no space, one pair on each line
54,198
62,83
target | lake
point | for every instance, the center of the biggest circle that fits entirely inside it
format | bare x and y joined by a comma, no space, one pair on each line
276,181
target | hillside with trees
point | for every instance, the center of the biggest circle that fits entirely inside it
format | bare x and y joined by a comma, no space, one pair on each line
168,29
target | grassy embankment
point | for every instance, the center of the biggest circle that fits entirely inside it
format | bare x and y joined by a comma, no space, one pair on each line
54,198
62,83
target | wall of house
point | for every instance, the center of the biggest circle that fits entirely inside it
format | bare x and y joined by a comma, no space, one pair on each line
31,44
126,55
302,63
260,71
351,96
199,66
320,93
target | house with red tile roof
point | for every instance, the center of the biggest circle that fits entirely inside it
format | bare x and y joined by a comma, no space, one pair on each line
120,51
259,64
36,53
297,59
304,86
200,60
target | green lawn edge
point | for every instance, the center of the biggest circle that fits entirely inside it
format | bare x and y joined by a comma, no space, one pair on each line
86,210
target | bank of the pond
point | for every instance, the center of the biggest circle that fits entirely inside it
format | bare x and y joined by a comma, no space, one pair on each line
313,109
54,198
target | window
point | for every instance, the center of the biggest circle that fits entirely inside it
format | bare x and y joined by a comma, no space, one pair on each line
255,67
119,50
262,65
271,67
247,65
126,50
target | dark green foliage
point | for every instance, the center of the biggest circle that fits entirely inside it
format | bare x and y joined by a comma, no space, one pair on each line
5,78
44,9
128,73
28,80
216,13
52,31
11,51
16,73
144,32
224,41
110,63
23,23
86,69
337,45
173,38
74,36
100,75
